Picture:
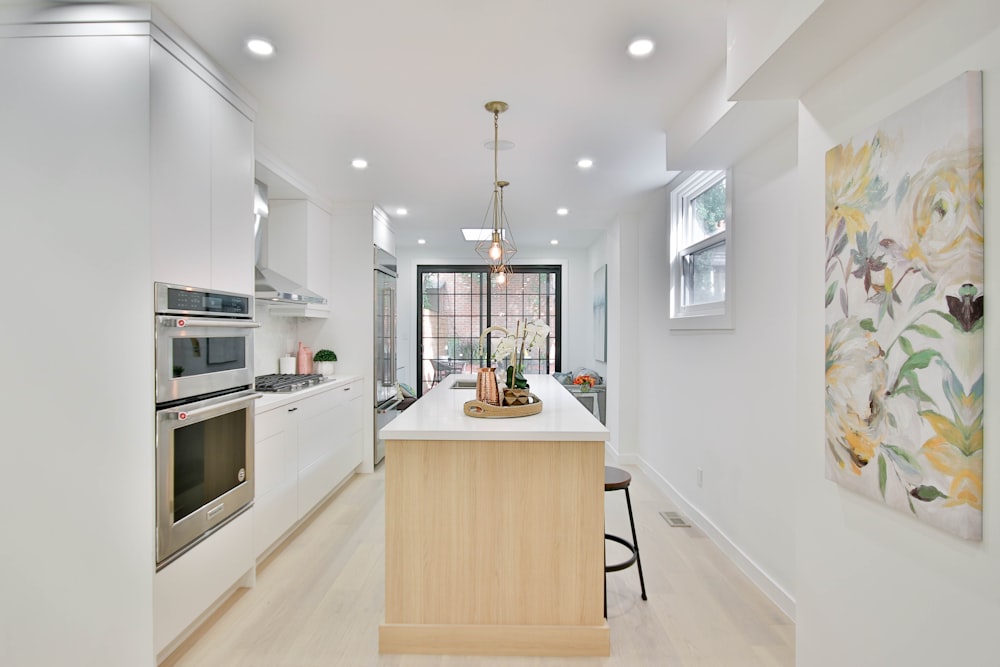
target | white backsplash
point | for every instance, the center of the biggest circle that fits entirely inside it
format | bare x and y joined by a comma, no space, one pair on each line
276,337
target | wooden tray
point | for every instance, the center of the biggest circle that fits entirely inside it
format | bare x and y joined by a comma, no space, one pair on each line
487,411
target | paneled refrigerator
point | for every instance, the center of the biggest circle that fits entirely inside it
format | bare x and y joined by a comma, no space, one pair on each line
385,346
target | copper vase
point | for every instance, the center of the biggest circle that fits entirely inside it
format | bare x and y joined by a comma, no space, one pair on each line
487,390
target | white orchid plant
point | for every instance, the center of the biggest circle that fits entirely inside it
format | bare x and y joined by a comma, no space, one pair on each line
514,346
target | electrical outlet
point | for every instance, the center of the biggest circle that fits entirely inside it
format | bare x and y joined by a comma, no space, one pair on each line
700,477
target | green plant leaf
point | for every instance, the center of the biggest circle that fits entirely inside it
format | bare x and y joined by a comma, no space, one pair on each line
882,474
927,493
830,291
867,324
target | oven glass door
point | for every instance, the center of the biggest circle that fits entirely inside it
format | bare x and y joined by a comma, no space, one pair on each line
196,356
204,467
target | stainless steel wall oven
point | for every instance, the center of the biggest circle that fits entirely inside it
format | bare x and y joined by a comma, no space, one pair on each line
204,413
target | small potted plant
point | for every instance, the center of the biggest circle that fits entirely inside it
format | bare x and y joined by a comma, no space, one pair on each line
324,360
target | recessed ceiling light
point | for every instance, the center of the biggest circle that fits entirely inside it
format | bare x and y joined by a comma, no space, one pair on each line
260,47
554,241
585,163
358,163
640,47
562,211
401,211
421,241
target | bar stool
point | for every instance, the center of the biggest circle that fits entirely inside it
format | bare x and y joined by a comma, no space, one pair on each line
616,479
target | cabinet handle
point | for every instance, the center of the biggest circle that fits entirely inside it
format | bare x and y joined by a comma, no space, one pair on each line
292,409
347,388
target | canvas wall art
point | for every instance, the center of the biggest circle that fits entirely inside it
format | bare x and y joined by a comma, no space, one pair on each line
904,310
601,313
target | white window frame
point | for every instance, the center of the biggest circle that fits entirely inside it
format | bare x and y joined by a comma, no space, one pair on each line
717,315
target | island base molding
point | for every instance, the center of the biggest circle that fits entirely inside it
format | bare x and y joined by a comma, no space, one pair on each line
501,640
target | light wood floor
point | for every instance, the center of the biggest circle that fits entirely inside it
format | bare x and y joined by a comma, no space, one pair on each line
320,598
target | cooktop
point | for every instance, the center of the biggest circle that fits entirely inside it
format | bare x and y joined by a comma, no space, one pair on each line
280,382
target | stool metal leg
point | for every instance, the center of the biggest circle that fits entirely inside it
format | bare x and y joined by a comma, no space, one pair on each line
635,543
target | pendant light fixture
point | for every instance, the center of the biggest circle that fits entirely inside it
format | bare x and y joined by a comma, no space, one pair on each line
496,246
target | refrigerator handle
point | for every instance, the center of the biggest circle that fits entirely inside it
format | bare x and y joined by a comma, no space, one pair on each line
388,344
392,338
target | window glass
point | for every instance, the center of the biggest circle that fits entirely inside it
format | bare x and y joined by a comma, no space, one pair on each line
700,250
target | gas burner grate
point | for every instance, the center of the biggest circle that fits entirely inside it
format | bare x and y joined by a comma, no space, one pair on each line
279,382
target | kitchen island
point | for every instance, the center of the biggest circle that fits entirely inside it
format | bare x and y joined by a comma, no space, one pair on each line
494,528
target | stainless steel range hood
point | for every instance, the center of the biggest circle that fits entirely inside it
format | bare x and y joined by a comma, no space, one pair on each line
273,286
269,284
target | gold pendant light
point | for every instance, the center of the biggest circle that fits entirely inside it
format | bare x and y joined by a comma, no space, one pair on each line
497,246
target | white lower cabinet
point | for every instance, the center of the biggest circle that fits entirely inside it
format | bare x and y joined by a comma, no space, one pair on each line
186,590
304,450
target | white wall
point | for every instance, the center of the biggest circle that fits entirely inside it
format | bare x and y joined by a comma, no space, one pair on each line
76,482
875,587
723,401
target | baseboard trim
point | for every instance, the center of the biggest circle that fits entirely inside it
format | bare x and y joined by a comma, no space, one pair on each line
774,591
504,640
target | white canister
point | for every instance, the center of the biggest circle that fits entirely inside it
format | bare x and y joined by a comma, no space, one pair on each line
286,365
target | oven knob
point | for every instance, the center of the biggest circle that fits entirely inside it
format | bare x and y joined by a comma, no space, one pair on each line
241,475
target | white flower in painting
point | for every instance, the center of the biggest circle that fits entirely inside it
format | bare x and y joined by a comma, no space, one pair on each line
944,216
856,373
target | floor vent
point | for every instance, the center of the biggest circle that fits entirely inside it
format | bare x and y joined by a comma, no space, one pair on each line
675,520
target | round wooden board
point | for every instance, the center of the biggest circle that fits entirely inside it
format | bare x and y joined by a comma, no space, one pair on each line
487,411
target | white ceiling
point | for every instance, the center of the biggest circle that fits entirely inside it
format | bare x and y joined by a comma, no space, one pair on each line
402,84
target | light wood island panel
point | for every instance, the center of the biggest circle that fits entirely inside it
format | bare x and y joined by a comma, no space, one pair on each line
495,547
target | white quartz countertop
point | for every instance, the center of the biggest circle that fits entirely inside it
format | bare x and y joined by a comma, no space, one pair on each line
270,401
439,415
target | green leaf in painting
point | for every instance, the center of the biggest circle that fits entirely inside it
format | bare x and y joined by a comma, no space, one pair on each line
919,360
906,345
830,292
912,390
925,330
881,475
867,324
926,292
927,493
904,461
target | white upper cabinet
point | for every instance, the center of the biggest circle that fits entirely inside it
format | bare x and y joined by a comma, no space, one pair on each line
180,171
201,155
232,198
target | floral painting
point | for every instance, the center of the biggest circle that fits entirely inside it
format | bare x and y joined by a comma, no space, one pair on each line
904,310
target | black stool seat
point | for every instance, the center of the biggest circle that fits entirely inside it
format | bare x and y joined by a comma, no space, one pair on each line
616,479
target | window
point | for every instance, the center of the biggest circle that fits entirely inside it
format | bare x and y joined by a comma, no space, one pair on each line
700,251
459,302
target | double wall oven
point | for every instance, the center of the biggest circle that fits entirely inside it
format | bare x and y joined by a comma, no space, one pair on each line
204,413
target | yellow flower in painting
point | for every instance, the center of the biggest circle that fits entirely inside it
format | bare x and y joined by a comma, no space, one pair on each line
856,374
943,213
854,185
956,448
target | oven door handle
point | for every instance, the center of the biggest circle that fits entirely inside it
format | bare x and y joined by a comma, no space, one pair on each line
184,322
184,415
